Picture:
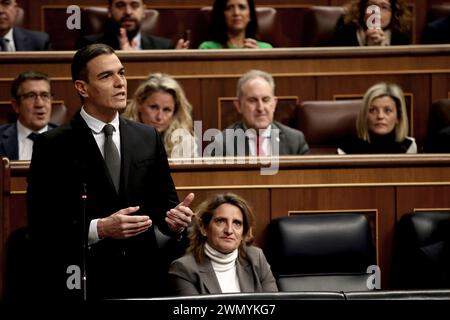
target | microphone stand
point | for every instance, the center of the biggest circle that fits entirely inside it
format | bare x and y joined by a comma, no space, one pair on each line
85,240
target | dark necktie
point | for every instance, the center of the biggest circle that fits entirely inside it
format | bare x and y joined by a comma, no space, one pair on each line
3,44
32,136
112,158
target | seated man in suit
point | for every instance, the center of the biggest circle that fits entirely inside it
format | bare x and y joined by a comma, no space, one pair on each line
32,101
18,39
437,31
258,134
122,30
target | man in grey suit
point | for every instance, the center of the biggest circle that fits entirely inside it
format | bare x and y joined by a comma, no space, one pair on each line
18,39
258,134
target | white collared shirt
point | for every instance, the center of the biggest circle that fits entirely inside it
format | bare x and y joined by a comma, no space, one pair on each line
11,46
96,127
25,144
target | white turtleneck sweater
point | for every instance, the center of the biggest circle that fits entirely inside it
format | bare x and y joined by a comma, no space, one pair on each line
224,266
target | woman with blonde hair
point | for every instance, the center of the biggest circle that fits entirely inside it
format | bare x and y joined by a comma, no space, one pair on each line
220,258
160,101
382,123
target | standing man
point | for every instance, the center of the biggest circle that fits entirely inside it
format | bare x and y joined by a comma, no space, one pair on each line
123,29
104,181
17,39
257,134
31,99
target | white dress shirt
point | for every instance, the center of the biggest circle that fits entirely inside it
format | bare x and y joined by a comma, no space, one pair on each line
25,144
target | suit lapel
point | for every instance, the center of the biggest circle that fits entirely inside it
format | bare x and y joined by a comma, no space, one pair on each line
20,40
208,277
127,146
245,276
92,159
10,142
278,142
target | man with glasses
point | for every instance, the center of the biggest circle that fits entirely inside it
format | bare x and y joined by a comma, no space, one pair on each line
13,38
32,102
123,29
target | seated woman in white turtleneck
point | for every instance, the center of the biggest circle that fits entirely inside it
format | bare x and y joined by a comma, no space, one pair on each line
220,258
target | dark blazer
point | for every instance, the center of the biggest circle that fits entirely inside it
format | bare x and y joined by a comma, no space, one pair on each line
27,40
345,36
291,141
66,161
147,42
9,145
187,277
437,31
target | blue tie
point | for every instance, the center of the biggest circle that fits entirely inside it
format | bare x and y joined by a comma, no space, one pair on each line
3,44
32,136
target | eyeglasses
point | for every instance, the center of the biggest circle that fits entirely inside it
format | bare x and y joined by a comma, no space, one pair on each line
32,96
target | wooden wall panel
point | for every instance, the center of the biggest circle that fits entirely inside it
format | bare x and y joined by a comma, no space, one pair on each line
421,197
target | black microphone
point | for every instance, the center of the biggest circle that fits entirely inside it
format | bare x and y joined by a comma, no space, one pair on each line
85,240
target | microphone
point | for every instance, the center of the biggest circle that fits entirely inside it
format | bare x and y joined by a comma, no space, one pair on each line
85,240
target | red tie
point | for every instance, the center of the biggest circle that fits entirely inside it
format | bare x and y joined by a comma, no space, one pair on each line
259,146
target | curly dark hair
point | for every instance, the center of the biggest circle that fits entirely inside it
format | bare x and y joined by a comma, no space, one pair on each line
400,21
217,26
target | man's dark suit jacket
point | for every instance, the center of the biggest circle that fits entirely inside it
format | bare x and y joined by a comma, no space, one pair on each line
27,40
437,31
9,145
66,161
291,141
111,39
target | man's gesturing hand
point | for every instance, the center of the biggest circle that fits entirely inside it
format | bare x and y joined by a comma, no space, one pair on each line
180,217
121,225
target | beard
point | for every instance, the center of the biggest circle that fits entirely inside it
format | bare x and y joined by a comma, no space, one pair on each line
131,33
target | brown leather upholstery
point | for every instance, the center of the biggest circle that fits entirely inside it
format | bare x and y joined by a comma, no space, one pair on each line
319,23
326,123
93,20
268,25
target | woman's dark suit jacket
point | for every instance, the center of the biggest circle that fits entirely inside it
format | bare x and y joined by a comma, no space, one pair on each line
64,161
187,277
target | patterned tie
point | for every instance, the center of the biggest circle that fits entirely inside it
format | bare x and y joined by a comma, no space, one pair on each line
3,44
32,136
112,158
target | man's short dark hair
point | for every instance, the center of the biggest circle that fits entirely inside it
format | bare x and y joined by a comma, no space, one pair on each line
84,55
24,76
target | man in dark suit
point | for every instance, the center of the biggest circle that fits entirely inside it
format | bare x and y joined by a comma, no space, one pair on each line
123,29
102,181
18,39
31,99
437,31
258,134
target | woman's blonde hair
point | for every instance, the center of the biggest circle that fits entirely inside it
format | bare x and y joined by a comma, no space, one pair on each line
383,89
182,117
203,216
